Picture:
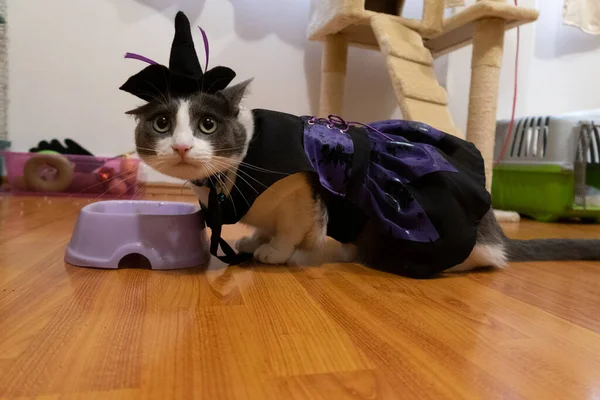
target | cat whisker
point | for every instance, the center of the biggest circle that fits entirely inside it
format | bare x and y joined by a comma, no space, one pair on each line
230,148
165,100
238,189
238,170
250,166
212,171
210,180
110,187
235,161
147,149
231,169
153,158
156,164
153,97
140,189
183,186
120,175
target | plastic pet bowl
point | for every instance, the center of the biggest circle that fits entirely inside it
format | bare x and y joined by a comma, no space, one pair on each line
170,235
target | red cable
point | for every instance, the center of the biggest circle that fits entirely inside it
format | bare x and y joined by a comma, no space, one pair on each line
514,104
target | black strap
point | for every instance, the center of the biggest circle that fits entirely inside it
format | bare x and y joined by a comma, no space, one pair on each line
214,219
360,159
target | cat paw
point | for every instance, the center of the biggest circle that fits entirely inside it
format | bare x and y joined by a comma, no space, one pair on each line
267,254
248,244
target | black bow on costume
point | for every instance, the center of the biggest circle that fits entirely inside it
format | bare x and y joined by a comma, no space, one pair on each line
213,216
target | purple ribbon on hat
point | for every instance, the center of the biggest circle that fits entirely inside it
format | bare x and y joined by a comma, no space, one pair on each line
139,57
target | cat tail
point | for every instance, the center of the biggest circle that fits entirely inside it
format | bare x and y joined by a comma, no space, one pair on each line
553,250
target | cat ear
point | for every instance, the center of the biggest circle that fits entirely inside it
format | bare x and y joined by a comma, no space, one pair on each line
234,94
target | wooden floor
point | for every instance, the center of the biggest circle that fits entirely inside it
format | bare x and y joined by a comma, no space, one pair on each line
334,332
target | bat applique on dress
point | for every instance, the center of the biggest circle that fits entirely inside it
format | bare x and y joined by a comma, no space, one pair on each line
420,186
337,156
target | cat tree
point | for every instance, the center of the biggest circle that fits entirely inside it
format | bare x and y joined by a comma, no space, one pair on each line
410,47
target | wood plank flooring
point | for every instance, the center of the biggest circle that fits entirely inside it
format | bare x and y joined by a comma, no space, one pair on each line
272,332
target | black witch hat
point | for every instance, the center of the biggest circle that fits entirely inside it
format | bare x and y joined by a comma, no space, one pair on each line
184,76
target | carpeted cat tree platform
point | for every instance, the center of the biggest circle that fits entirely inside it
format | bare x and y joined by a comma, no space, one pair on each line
410,47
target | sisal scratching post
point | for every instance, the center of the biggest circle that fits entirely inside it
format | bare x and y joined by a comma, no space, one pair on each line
333,74
488,42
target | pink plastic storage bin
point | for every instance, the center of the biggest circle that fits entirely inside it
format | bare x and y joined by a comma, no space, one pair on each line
69,175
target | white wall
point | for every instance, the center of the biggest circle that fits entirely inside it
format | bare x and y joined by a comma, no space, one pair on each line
558,69
66,63
565,65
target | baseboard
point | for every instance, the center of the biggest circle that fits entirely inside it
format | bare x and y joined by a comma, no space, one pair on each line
506,216
156,188
168,189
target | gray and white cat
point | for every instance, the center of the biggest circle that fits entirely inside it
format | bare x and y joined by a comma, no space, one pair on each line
195,137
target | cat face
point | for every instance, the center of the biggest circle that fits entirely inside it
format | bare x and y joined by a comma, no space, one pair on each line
194,137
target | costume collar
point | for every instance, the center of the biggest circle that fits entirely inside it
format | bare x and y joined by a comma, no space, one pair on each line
213,215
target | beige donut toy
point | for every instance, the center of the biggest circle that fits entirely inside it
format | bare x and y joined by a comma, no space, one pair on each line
35,179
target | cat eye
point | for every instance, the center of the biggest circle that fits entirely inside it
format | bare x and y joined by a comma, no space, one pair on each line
161,124
208,125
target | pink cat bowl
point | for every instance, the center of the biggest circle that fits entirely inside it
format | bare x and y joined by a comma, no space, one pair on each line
170,235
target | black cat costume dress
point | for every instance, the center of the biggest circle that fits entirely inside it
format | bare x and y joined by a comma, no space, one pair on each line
421,187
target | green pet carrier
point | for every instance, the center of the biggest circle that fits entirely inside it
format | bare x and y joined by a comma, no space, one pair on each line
551,167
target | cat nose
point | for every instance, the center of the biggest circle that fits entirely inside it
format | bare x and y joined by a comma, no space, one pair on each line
182,149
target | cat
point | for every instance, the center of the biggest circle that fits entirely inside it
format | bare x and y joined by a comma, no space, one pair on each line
199,136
